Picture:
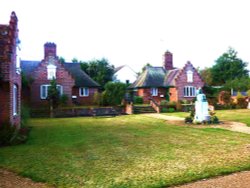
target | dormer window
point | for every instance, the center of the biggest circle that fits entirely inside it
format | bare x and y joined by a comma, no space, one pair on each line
51,71
189,76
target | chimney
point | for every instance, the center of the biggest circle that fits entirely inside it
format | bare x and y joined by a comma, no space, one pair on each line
49,49
168,61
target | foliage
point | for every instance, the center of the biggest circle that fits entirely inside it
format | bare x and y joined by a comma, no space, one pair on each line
241,103
143,69
25,115
26,81
91,152
228,67
225,97
171,110
53,93
99,70
114,93
248,93
138,100
206,75
62,60
63,99
238,84
98,99
10,135
239,95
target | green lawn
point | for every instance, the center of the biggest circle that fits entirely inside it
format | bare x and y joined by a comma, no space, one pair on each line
125,151
240,115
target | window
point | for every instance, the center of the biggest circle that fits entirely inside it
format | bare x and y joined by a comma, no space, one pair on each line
15,100
154,91
18,49
83,91
51,71
44,90
189,76
189,91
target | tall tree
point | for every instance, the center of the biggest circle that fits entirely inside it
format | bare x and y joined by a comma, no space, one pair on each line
228,67
206,76
53,96
99,70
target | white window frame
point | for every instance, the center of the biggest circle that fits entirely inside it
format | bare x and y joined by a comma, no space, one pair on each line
154,91
190,77
51,72
15,100
18,60
189,91
60,88
83,91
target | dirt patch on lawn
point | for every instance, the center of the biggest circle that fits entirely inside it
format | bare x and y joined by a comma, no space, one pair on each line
229,125
11,180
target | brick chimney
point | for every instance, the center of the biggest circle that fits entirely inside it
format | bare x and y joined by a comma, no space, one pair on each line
49,49
168,60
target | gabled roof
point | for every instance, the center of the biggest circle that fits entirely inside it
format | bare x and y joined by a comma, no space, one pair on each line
151,77
81,78
29,66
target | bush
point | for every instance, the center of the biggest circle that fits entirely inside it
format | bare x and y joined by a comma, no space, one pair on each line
63,99
189,119
25,115
171,110
7,134
138,100
214,120
164,103
241,103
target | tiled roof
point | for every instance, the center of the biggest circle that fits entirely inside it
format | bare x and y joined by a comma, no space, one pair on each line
151,77
29,66
81,78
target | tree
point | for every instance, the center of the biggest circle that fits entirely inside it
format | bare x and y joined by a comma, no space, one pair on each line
62,60
53,96
99,70
228,67
238,84
143,69
206,76
114,93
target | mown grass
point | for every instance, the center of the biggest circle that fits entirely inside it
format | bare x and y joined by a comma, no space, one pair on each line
238,115
125,151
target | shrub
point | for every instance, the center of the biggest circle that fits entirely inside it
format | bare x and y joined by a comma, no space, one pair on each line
63,99
241,103
189,119
214,120
138,100
171,110
7,134
97,98
25,115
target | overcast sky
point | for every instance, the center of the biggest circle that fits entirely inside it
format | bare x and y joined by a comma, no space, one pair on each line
133,32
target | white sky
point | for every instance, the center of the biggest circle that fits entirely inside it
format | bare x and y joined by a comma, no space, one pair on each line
133,32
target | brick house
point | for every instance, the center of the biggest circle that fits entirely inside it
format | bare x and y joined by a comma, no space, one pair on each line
71,80
10,77
167,82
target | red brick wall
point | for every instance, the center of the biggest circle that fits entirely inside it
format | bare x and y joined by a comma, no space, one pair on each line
85,100
10,76
173,94
146,94
63,78
181,81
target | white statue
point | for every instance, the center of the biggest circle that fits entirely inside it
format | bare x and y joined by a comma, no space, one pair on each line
201,107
